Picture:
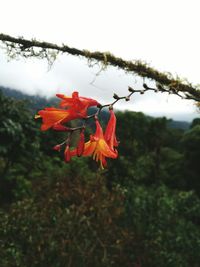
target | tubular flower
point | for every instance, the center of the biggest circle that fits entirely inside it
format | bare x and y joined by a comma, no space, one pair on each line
52,116
79,104
109,135
98,147
67,154
81,144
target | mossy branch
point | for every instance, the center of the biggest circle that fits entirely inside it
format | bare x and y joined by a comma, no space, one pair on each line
29,48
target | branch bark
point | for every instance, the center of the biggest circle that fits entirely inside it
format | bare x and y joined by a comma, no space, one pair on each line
173,85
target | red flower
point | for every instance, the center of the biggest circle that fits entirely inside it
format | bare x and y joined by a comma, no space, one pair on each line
110,135
52,116
57,147
81,144
76,109
98,147
79,104
67,154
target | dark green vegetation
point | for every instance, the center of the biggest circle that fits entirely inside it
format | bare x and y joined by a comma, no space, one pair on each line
143,211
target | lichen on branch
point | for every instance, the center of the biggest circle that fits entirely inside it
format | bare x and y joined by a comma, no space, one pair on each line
34,48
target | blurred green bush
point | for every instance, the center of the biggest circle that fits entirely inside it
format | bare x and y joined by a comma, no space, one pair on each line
143,211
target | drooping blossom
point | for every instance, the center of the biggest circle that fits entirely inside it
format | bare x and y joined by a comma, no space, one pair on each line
81,143
110,135
98,147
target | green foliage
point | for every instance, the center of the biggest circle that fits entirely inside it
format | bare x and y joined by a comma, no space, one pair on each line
191,145
78,222
165,225
143,211
195,122
19,142
69,222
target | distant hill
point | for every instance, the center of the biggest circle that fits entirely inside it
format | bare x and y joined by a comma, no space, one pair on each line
35,102
185,125
38,102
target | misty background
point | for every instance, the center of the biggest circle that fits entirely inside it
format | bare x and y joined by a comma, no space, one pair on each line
153,31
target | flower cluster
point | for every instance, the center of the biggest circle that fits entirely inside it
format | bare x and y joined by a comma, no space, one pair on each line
101,145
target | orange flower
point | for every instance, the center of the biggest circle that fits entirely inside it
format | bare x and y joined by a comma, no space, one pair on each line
98,147
76,109
52,116
79,104
110,135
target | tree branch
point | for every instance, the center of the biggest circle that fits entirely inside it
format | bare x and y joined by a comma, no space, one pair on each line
24,47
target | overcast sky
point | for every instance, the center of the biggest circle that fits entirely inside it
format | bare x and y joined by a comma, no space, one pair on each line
163,33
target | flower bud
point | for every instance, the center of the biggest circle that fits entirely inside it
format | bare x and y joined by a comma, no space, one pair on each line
111,107
57,147
81,144
115,96
145,86
99,106
131,89
159,87
67,154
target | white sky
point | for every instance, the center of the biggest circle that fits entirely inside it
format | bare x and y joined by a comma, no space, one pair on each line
164,33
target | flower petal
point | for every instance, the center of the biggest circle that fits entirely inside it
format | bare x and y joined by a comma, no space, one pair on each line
52,116
110,135
81,144
76,102
99,132
105,149
89,148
